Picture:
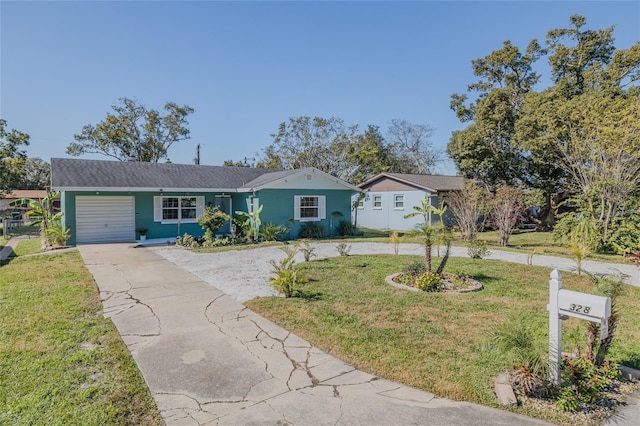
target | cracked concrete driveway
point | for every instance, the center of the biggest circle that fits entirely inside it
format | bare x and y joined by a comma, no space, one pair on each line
208,360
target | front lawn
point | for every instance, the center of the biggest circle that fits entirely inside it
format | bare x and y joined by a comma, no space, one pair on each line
432,341
61,361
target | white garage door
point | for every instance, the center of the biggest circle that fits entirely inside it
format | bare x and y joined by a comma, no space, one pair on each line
103,219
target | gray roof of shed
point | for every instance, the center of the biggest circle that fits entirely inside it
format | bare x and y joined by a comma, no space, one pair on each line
73,173
430,182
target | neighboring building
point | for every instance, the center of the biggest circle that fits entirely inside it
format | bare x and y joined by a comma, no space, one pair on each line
391,196
19,212
106,201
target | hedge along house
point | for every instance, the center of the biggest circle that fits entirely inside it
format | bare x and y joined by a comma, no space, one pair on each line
107,201
392,196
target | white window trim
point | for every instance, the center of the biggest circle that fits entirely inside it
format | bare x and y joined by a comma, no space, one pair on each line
157,209
395,202
322,208
360,205
373,201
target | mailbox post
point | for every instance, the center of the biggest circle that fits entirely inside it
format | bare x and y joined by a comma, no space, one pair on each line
564,304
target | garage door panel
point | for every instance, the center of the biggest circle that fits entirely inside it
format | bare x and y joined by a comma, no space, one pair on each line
105,219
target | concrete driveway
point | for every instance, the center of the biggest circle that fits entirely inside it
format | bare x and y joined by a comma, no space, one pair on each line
208,360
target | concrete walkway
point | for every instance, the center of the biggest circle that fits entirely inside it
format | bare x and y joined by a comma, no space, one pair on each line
208,360
11,245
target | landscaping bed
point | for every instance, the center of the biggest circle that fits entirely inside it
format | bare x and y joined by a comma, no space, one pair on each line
439,342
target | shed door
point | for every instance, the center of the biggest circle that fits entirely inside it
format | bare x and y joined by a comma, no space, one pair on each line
104,219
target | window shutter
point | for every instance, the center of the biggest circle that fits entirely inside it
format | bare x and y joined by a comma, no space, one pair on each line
322,207
296,207
199,206
256,204
157,209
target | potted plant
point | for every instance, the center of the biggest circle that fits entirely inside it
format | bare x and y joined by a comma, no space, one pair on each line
143,233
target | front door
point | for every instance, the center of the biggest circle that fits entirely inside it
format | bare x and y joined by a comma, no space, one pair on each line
223,202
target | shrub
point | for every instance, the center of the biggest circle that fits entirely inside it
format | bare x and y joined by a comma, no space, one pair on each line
430,281
406,279
583,381
343,249
217,242
57,235
212,219
285,279
347,228
271,231
240,228
311,230
394,238
477,249
415,269
522,350
188,241
307,251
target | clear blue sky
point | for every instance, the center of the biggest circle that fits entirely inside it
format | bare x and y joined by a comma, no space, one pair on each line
247,66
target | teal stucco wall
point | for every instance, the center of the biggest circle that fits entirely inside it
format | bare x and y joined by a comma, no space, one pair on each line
279,207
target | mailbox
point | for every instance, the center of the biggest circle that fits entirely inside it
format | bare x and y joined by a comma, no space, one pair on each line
582,305
564,303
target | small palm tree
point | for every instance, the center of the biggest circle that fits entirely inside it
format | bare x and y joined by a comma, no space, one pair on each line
426,230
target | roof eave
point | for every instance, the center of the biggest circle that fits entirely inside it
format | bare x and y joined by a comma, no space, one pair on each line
132,189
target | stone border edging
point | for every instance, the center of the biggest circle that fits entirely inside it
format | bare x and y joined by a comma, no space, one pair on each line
389,279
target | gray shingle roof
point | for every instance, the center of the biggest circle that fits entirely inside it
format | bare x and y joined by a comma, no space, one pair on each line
430,182
67,173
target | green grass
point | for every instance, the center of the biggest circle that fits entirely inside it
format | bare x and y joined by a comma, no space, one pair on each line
26,247
61,361
436,342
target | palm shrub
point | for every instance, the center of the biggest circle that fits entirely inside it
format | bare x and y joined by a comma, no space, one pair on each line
596,349
272,232
307,250
57,235
285,278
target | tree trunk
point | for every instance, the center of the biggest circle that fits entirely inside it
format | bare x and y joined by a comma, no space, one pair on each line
427,257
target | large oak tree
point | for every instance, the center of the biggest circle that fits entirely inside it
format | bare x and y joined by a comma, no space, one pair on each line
134,132
519,136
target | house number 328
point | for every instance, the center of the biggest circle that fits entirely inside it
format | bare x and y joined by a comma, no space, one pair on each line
579,308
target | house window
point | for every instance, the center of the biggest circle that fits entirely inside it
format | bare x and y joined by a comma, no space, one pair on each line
177,209
377,202
309,207
361,204
398,202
